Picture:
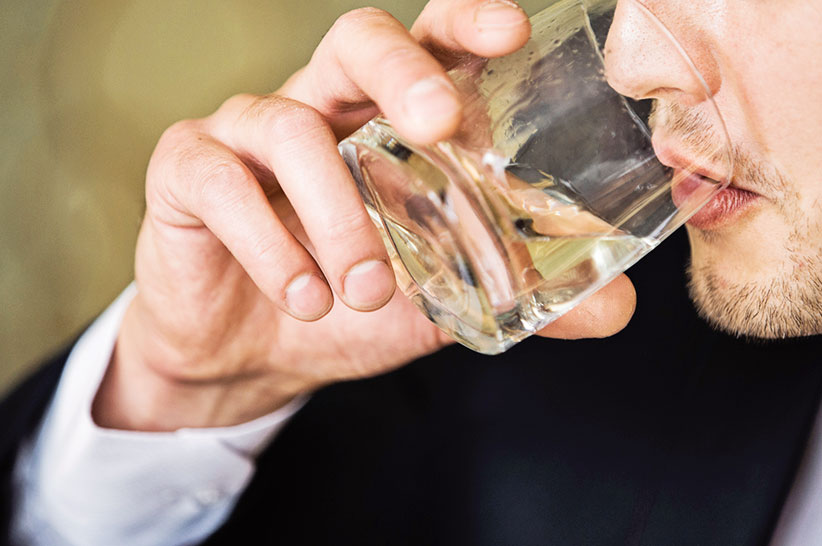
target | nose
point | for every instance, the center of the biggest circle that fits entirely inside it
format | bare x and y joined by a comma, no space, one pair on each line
648,58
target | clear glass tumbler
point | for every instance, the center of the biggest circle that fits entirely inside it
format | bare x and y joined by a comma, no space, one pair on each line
550,189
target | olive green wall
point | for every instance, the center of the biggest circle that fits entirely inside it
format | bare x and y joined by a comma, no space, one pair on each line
86,88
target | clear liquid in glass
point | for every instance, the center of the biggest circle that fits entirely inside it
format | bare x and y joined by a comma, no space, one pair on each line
488,256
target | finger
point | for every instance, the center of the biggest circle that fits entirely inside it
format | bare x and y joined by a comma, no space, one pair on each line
601,315
488,28
293,141
369,54
212,184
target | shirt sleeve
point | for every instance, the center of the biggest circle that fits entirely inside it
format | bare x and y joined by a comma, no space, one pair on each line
79,484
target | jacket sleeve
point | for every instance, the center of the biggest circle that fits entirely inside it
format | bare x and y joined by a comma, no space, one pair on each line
74,482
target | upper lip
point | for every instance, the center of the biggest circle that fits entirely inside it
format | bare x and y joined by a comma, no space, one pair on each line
672,157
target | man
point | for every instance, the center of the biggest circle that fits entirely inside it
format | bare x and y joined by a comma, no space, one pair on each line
253,229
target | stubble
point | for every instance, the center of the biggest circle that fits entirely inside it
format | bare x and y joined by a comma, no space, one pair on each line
785,301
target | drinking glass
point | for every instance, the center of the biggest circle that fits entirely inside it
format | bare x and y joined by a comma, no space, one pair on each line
549,189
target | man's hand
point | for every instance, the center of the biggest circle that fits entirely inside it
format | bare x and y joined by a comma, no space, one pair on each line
259,273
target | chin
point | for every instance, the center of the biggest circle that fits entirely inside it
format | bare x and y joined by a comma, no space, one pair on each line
759,275
766,303
751,250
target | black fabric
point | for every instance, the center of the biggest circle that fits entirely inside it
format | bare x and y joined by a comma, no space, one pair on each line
20,413
668,433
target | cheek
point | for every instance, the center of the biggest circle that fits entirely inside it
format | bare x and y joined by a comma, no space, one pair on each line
772,85
784,116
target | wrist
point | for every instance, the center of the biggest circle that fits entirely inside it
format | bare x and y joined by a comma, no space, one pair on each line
150,386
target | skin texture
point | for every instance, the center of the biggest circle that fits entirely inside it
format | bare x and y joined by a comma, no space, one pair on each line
254,199
260,275
757,272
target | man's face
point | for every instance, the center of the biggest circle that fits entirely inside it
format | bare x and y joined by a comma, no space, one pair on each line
757,266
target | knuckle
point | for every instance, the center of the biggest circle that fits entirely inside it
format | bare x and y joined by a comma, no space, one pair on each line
358,20
220,180
348,226
271,248
221,122
172,150
286,120
297,119
177,133
222,172
236,103
398,58
264,107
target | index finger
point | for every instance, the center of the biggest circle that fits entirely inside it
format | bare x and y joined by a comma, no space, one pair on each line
487,28
368,55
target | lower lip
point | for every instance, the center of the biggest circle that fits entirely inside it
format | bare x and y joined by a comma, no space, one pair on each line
723,208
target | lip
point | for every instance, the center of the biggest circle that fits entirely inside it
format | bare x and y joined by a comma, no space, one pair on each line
696,182
669,156
722,209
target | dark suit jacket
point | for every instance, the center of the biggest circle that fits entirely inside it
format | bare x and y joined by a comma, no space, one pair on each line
668,433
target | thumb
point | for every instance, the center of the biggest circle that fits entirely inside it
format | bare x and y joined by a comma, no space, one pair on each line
603,314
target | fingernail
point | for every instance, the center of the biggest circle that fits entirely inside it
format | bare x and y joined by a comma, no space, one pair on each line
499,14
308,297
430,100
368,285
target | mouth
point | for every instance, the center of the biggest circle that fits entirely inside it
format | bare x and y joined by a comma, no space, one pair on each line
724,208
694,184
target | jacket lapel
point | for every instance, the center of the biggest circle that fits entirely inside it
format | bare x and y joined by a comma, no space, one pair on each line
735,443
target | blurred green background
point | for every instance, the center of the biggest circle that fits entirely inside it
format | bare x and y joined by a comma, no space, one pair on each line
86,89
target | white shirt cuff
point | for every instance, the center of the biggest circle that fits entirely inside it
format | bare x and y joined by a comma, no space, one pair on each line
79,483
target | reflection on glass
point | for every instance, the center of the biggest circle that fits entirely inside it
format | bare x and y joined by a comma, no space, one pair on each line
550,189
